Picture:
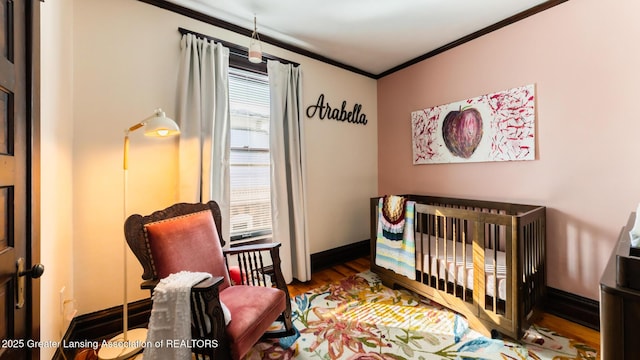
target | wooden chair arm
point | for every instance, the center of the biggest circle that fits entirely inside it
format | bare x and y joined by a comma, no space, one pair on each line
204,285
207,284
149,284
253,247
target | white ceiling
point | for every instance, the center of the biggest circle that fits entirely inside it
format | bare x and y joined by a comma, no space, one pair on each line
370,35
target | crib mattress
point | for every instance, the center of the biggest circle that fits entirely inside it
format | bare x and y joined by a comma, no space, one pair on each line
460,269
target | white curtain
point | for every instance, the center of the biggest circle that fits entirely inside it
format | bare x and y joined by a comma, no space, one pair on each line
288,169
203,115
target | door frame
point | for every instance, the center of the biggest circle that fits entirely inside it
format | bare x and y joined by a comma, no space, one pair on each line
32,10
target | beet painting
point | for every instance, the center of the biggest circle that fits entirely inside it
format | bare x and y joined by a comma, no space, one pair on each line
493,127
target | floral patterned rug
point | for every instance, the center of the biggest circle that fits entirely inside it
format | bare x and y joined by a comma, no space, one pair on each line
359,318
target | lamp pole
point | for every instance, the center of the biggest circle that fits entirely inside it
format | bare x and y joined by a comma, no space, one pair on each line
130,342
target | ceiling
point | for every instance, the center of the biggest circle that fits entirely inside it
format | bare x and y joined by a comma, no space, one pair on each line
373,36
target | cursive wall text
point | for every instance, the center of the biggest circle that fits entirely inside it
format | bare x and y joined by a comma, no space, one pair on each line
324,110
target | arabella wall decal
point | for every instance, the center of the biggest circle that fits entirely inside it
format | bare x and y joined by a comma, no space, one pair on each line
324,110
493,127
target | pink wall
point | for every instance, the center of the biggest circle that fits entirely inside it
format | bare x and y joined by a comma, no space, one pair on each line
584,59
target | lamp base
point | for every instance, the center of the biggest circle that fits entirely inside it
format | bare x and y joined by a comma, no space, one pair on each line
119,349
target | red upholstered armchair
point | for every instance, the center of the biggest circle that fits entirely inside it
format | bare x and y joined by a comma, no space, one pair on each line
187,237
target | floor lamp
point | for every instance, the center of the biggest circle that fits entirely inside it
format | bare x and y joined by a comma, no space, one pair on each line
130,342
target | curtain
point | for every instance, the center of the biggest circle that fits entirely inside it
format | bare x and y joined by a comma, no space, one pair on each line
203,115
288,169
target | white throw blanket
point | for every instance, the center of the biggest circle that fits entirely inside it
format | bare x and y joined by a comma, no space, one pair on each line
170,323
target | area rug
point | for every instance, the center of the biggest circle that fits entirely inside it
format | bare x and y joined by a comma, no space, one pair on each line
359,318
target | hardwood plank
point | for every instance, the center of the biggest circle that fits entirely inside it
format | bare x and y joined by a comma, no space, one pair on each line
570,329
325,276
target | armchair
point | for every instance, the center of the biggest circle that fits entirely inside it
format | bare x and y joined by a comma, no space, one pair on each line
187,237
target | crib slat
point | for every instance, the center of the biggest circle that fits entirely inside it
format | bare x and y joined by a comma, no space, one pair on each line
464,260
479,276
540,259
446,254
454,229
428,264
494,260
419,236
527,270
437,267
511,280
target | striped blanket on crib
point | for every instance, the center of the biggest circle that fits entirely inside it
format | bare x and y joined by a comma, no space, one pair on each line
395,243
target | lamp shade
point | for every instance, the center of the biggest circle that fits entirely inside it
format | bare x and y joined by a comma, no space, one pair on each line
255,48
159,125
255,51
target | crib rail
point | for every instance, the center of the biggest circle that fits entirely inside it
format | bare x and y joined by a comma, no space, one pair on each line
484,259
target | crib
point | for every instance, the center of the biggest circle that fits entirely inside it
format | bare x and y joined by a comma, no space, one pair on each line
482,259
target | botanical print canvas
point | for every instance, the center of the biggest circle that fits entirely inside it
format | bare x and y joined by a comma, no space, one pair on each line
493,127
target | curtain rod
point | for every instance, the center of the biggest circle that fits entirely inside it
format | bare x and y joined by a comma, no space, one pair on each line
236,49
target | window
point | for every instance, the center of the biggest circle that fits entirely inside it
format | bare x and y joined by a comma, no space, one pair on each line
250,203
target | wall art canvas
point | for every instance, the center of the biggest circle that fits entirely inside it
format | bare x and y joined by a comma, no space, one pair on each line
493,127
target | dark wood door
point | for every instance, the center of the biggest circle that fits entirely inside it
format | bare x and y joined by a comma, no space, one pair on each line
18,327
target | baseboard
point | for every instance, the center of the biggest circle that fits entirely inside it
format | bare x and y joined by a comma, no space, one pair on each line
574,308
103,324
339,255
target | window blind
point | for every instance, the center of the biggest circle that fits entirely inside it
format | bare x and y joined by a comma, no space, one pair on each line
250,203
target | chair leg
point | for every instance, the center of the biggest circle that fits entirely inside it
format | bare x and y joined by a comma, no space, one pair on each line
286,315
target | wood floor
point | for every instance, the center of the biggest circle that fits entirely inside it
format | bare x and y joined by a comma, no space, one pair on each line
575,331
